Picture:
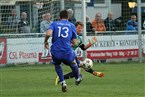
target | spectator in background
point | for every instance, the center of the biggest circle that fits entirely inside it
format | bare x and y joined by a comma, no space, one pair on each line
12,21
38,23
89,27
44,25
71,18
43,17
23,25
99,26
98,23
118,23
110,23
132,25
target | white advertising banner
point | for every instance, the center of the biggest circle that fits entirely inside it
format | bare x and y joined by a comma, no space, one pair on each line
22,50
113,46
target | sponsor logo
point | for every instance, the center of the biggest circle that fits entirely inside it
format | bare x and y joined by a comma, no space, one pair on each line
1,49
22,55
44,59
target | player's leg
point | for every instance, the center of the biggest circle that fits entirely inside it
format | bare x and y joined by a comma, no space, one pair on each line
78,63
90,70
75,70
80,76
66,76
71,74
59,71
70,60
95,73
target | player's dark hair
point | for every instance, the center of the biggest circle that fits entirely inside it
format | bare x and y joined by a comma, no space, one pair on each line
79,23
63,14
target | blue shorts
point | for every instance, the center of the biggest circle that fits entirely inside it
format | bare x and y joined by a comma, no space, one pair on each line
66,58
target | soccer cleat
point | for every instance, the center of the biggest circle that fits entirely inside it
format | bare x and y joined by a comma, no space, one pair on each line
99,74
81,77
57,80
64,87
78,81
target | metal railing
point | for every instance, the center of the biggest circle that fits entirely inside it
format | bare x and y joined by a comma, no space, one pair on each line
123,32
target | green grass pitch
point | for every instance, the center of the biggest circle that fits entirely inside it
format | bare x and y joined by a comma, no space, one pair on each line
121,80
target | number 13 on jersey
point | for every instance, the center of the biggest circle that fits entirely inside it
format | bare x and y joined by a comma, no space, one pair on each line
63,29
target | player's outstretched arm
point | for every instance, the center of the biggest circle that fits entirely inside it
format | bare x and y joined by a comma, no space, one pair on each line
91,41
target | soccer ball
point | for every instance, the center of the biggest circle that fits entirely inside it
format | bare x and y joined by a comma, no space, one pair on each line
87,63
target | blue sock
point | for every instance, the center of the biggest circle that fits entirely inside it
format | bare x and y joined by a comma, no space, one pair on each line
59,72
75,70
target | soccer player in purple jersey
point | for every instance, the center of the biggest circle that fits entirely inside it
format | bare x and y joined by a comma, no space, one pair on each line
63,34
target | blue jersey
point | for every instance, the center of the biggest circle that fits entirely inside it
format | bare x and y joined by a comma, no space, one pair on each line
63,33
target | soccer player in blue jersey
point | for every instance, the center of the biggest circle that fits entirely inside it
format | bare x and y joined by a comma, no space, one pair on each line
63,34
79,28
